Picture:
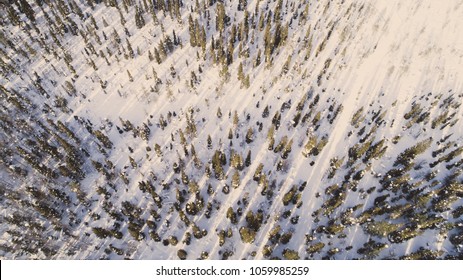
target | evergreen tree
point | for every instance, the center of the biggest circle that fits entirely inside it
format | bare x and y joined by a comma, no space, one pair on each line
168,43
235,118
258,172
247,162
258,58
240,72
162,50
230,51
139,19
157,56
236,181
217,165
246,83
276,120
220,17
209,142
287,149
191,28
249,136
202,39
13,16
129,49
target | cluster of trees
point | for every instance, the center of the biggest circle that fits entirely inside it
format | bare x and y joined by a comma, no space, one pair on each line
60,154
390,220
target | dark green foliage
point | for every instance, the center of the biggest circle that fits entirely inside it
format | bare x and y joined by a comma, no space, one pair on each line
236,181
217,162
258,172
101,232
315,248
26,8
290,254
182,254
254,220
291,196
135,231
231,215
423,254
247,161
103,139
407,156
249,136
286,237
371,249
139,19
404,234
247,234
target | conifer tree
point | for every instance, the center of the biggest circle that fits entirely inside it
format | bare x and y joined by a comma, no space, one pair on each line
235,118
139,19
217,166
202,39
240,72
209,142
236,181
26,8
287,149
129,49
249,136
191,28
246,82
247,162
220,17
157,56
13,16
162,50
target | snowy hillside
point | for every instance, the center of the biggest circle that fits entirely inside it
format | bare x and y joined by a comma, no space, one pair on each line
209,129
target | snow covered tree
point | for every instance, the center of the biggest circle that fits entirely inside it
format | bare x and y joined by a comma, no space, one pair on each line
217,165
236,181
139,19
249,136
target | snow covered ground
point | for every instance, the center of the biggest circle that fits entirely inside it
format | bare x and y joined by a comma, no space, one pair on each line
361,99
